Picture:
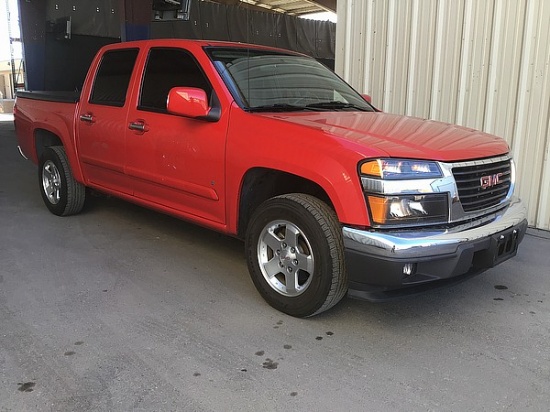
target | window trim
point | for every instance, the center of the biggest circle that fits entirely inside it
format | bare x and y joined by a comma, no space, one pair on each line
95,101
140,107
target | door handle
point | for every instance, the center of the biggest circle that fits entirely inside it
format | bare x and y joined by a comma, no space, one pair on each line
138,126
88,118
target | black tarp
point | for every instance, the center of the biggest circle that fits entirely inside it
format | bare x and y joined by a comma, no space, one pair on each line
238,29
325,33
179,29
95,23
306,37
214,21
262,27
68,62
91,18
286,32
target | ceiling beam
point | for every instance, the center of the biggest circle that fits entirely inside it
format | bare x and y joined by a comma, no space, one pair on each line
330,5
282,5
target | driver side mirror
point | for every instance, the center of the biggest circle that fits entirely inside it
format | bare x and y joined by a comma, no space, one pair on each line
191,102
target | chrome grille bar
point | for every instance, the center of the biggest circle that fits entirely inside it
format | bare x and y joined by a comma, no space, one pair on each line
481,186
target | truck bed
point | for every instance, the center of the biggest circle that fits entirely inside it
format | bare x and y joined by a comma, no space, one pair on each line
62,97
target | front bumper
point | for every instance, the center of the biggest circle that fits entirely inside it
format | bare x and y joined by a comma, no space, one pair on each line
375,260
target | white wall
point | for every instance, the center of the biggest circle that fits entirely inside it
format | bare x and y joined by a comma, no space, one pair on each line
479,63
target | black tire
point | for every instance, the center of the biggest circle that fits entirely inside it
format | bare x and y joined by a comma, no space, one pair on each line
295,254
61,193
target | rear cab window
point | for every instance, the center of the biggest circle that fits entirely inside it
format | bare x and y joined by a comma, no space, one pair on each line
111,82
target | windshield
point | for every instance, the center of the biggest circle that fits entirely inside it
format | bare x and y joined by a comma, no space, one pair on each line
270,81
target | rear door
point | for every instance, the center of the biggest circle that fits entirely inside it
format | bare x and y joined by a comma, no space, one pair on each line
102,121
175,162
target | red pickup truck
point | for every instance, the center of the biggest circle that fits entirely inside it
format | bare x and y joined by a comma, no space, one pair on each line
329,194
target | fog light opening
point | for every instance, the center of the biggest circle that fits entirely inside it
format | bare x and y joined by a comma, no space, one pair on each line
409,269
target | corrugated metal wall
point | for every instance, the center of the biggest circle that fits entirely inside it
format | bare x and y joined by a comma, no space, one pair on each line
483,64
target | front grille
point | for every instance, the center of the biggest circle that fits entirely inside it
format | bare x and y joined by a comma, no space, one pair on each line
482,186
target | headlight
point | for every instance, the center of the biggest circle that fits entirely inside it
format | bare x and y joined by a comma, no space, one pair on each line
401,192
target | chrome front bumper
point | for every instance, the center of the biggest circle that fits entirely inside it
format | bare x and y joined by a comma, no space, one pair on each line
375,259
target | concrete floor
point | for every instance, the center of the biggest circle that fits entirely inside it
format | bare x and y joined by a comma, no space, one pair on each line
120,308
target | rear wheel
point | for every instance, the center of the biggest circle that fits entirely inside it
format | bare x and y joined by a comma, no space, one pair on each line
61,193
295,254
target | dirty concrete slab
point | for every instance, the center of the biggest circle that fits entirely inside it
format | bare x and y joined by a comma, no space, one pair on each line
120,308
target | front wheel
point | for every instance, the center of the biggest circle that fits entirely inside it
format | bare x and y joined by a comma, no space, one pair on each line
61,193
295,254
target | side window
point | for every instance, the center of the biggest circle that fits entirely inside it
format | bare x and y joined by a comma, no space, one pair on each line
112,78
167,68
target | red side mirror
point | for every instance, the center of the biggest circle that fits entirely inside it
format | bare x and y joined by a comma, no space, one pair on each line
367,97
188,102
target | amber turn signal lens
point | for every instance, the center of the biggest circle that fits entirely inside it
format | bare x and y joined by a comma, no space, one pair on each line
378,209
371,168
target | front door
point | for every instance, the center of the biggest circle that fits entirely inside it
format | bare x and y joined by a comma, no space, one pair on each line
175,162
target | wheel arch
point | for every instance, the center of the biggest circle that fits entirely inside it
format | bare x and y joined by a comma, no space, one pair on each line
44,138
260,184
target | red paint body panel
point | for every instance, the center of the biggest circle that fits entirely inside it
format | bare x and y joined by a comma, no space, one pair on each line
266,141
178,163
400,136
194,169
53,117
188,101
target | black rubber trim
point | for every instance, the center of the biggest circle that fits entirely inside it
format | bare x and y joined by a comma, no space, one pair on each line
60,97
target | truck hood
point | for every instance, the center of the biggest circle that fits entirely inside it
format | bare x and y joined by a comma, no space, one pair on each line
379,134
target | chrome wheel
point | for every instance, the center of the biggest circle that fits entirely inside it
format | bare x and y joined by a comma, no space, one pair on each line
286,258
295,254
62,194
51,182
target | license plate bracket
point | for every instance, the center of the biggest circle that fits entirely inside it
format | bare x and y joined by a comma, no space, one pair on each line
503,246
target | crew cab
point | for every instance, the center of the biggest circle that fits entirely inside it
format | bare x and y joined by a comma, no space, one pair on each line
330,195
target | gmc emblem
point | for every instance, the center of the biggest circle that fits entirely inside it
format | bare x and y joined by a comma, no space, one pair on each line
490,181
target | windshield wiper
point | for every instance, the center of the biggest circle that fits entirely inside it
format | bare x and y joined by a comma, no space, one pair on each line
279,107
335,105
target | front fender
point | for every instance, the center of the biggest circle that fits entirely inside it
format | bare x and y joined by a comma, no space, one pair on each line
257,142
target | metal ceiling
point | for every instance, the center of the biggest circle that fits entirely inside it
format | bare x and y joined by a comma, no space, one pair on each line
291,7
